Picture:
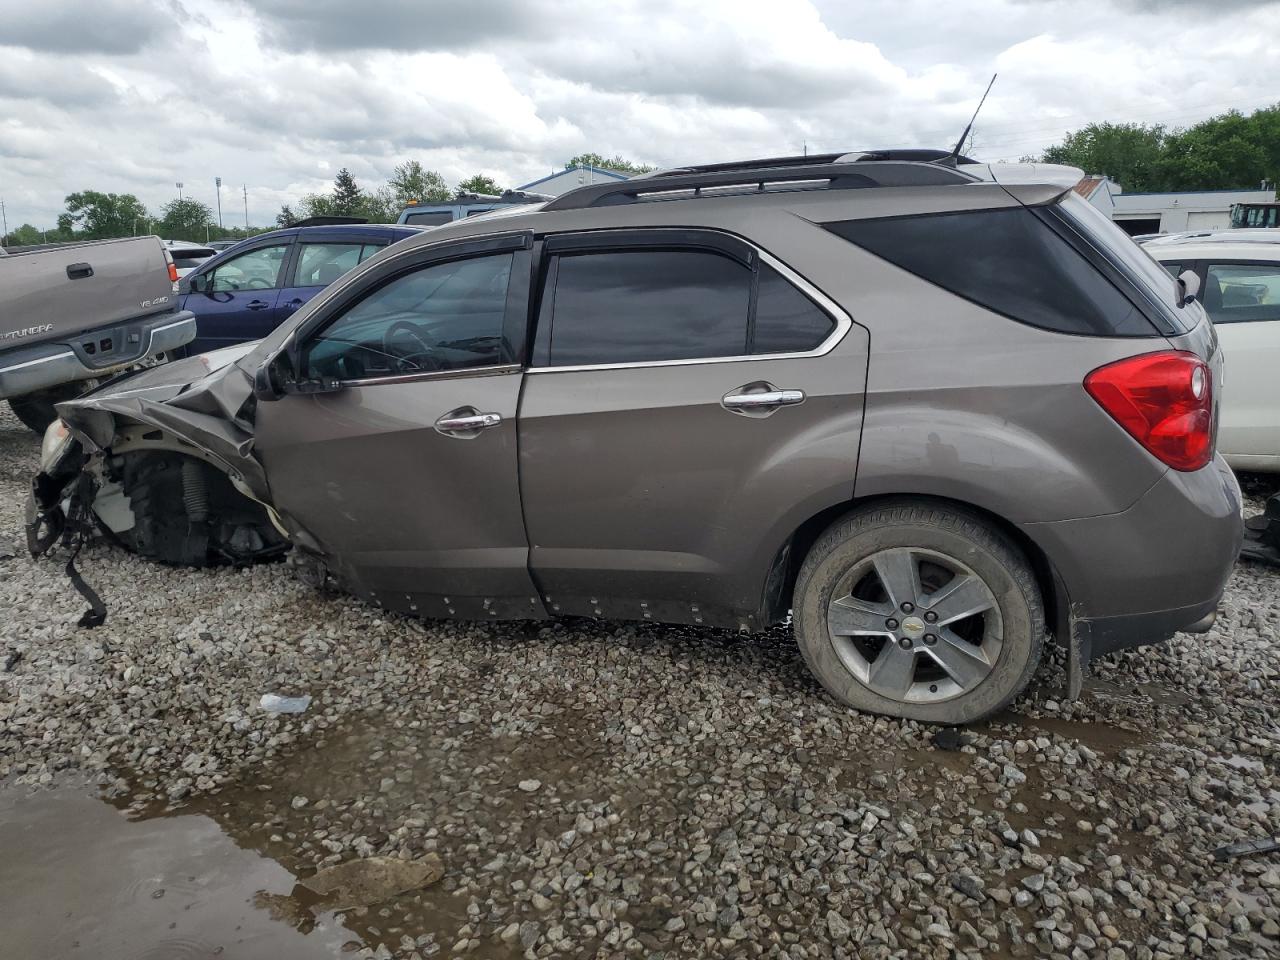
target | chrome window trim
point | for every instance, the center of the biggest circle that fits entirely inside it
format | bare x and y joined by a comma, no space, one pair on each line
489,371
844,323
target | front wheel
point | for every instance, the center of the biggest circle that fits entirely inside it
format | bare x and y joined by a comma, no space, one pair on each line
921,611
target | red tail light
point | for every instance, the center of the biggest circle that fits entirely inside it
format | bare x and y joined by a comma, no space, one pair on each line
168,259
1165,400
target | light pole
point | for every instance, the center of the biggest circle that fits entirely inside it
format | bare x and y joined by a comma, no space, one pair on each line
245,189
217,181
179,186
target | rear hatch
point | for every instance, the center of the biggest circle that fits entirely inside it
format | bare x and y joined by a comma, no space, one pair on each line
1184,323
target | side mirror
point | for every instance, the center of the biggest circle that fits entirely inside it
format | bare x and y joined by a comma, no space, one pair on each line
1189,284
274,379
194,282
267,382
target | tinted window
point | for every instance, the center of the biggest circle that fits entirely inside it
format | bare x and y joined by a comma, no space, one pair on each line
1173,268
256,270
634,306
1238,292
430,219
447,316
1133,260
1008,261
786,320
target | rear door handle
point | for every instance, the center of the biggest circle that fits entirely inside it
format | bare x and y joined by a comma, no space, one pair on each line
295,303
762,400
257,304
466,422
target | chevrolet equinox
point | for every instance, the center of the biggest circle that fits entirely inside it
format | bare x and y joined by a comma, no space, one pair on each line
937,413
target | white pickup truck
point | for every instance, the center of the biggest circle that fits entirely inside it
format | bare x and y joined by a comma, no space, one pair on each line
83,312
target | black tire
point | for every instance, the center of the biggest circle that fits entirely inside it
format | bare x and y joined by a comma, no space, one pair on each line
36,410
945,530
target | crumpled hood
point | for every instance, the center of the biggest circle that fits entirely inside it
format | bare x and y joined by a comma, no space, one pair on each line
167,380
201,400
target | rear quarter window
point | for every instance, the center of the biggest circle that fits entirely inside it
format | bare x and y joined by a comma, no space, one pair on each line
1009,261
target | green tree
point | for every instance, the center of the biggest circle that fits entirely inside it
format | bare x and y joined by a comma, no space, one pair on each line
412,183
479,184
1129,153
380,206
595,160
1231,150
348,198
99,216
286,217
24,236
1228,151
186,219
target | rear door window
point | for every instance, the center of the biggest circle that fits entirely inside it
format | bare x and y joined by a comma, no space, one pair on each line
319,264
1009,261
786,321
1242,292
646,305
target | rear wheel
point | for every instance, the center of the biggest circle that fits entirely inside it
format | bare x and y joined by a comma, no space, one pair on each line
36,410
921,611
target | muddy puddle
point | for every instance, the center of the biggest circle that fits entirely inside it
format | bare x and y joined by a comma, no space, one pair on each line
170,889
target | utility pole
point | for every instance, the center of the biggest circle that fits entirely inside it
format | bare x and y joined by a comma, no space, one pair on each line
4,219
245,189
179,186
218,183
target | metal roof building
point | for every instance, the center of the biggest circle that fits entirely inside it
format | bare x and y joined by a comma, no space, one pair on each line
562,181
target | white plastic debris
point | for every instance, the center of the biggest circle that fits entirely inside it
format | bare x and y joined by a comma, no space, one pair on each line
274,703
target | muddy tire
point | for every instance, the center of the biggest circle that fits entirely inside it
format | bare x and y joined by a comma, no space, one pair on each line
918,610
36,410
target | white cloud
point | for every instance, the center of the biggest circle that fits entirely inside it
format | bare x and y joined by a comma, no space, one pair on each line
279,94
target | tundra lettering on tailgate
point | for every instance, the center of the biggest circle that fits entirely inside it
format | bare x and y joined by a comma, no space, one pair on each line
26,332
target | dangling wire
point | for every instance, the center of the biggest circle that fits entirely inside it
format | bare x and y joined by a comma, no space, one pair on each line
79,528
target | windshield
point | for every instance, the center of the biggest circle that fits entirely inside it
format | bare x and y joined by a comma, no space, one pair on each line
1128,257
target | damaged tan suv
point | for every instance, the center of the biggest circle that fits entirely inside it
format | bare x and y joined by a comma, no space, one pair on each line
934,410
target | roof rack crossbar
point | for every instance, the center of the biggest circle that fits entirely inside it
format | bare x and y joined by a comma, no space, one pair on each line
838,176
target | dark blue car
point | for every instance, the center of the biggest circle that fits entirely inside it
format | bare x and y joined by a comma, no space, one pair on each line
245,292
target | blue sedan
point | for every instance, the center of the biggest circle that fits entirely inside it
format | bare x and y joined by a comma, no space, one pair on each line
247,291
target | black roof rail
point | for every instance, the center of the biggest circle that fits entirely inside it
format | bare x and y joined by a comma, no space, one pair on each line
831,174
919,155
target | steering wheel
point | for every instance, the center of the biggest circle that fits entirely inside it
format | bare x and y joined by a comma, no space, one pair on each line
257,283
418,356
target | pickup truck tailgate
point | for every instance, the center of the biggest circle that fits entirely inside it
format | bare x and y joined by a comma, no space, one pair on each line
51,295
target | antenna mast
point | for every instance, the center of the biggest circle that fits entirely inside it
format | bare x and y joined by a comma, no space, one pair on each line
955,154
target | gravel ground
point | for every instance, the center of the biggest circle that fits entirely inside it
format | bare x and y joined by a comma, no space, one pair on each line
607,789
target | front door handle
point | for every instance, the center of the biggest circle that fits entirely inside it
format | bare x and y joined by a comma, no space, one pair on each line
466,422
257,304
760,398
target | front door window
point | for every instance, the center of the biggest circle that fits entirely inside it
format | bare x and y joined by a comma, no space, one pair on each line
443,317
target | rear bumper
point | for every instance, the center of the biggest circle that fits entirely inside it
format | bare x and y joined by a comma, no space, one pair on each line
40,366
1156,569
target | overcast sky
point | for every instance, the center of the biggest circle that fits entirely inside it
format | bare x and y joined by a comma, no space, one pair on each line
135,95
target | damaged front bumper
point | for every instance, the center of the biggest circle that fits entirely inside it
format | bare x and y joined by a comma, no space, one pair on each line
161,462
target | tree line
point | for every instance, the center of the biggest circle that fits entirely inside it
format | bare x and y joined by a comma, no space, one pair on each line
1232,150
93,215
410,183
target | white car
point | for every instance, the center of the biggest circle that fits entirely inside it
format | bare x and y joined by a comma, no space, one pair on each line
1240,289
188,256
